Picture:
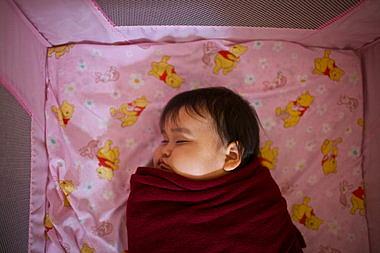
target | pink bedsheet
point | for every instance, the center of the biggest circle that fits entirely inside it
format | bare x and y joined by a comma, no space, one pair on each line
102,115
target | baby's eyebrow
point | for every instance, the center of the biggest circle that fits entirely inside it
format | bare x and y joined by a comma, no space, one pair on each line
181,130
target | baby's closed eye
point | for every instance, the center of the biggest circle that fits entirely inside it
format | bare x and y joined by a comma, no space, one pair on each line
177,141
182,141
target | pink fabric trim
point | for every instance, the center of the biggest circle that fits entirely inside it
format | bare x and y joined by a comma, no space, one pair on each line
29,24
18,97
370,60
38,180
77,21
37,175
347,13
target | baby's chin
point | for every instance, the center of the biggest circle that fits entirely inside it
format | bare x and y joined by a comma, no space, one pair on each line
209,176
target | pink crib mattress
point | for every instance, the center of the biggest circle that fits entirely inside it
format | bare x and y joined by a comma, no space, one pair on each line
102,111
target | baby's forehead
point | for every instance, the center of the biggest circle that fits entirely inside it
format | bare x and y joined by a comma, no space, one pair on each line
189,119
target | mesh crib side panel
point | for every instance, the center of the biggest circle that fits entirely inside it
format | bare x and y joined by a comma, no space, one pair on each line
259,13
15,127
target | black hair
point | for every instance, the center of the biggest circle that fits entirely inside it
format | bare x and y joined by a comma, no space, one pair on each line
234,118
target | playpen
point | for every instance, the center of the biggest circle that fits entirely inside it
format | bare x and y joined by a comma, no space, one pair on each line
83,83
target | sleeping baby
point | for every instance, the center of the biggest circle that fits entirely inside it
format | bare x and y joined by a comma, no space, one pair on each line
207,190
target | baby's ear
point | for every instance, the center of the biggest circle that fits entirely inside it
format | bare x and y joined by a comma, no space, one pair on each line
233,157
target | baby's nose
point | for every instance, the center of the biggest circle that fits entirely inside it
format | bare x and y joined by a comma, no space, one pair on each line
166,150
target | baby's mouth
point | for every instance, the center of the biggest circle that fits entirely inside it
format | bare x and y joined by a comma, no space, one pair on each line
164,166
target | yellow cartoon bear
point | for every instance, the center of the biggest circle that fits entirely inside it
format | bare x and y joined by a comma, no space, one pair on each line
128,113
357,201
48,225
326,66
294,110
329,150
360,122
59,50
86,249
268,155
67,187
108,160
64,113
166,72
304,214
226,60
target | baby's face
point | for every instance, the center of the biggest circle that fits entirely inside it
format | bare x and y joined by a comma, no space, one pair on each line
191,148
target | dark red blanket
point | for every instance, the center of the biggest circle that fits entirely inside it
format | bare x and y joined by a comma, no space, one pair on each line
240,212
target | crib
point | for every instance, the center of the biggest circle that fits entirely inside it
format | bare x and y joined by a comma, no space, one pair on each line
84,82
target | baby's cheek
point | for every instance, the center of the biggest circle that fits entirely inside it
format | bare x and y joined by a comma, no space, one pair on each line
156,156
177,161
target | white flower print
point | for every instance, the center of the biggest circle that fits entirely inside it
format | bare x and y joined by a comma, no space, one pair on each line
136,81
159,94
263,63
326,128
130,143
310,145
285,170
348,130
290,143
302,79
329,194
354,152
250,79
321,109
258,44
129,54
321,89
277,47
52,142
309,130
88,186
300,165
59,164
78,166
334,227
351,237
341,115
81,65
357,171
149,130
268,123
88,103
257,103
312,180
115,94
95,52
108,195
69,88
354,78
